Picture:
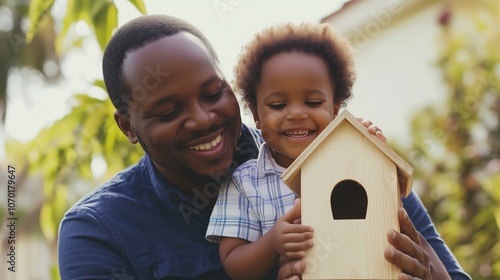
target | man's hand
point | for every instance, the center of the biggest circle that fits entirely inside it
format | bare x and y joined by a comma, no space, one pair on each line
291,269
412,253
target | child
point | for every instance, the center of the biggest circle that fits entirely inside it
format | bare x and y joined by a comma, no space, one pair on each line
294,79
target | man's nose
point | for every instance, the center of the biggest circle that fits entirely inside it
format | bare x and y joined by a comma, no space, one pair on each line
200,118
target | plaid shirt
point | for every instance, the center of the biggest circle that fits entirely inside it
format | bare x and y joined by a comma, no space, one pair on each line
249,205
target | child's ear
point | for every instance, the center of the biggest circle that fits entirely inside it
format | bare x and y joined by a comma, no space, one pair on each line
336,108
123,123
256,118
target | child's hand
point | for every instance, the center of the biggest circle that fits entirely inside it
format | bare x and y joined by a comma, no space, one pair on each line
291,240
373,129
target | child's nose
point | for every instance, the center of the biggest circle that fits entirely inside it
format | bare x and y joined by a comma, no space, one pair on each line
295,113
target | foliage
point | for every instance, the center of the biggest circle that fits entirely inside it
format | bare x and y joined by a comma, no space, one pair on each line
63,153
66,150
100,15
16,52
456,150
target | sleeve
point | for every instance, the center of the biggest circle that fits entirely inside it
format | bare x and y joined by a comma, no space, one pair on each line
423,223
86,250
233,214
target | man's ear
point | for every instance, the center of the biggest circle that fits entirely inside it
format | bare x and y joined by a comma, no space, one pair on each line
123,123
256,119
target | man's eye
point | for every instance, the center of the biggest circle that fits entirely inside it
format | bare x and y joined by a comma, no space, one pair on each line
276,106
214,96
168,116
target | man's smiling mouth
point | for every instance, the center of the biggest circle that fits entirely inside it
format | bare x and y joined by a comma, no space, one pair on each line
207,146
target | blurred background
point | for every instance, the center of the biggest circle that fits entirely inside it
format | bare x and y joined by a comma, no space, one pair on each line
428,76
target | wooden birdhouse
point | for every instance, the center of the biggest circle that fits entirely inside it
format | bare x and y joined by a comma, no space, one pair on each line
347,179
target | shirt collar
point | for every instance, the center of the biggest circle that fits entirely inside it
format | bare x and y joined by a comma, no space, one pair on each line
169,195
266,162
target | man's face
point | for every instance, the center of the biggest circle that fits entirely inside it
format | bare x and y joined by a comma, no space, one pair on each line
181,109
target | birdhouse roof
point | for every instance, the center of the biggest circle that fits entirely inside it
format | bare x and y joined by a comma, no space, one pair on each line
291,176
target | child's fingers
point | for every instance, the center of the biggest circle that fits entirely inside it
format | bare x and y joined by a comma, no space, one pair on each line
296,228
295,255
297,237
297,250
296,241
297,247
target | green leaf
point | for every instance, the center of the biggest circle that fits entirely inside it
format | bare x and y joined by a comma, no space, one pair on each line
54,272
47,223
74,10
496,214
139,4
59,203
105,21
100,83
38,10
110,140
95,7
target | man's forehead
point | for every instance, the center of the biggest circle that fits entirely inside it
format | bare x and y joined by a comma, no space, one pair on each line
177,44
172,50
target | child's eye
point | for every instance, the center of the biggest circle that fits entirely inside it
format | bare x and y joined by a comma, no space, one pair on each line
276,106
314,103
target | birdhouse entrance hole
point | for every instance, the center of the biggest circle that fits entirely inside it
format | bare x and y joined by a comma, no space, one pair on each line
348,201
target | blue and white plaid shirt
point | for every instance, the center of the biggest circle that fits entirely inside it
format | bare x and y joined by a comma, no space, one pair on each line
249,205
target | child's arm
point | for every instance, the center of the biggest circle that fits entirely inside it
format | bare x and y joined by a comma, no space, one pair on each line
246,260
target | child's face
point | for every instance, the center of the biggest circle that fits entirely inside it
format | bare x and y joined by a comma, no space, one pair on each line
294,103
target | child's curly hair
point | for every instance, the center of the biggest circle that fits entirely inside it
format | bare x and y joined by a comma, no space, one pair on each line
316,39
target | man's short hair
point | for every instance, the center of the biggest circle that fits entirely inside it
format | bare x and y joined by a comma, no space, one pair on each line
132,36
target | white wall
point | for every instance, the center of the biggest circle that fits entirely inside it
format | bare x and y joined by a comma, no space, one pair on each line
396,67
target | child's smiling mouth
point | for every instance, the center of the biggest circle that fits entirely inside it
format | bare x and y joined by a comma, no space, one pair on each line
298,132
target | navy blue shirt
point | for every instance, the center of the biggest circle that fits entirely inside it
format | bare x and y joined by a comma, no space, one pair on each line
138,226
